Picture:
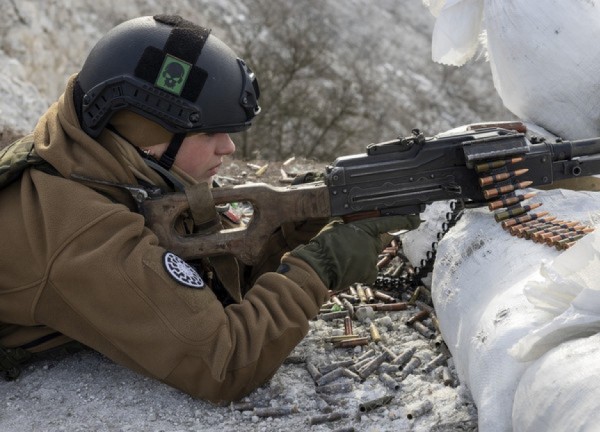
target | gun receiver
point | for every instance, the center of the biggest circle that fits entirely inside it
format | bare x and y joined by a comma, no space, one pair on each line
394,177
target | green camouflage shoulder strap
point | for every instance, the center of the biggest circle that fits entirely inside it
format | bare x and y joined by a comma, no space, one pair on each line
16,158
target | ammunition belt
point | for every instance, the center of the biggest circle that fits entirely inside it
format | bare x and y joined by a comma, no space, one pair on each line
452,217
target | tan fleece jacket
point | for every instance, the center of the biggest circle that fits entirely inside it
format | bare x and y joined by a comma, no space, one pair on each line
81,263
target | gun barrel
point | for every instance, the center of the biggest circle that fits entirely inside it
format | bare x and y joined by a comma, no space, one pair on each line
570,149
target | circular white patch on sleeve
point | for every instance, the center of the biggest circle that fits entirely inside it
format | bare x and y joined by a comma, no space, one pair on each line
181,271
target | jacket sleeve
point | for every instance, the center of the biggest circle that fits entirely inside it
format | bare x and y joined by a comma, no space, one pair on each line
110,287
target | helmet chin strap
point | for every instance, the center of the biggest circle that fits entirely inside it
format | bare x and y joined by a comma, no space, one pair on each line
168,157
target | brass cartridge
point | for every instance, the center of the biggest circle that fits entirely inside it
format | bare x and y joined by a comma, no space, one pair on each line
375,335
506,214
488,166
522,219
495,178
347,326
509,201
494,192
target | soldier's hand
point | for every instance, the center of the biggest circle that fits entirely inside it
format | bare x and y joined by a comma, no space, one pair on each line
342,254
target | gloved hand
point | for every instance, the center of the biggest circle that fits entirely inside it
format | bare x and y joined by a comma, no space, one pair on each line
342,254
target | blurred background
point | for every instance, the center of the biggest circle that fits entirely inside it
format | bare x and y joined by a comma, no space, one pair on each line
335,75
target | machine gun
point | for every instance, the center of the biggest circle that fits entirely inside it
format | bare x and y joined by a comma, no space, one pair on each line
479,166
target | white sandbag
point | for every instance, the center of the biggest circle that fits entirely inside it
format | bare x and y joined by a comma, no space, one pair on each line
478,291
570,291
544,61
561,391
542,54
456,32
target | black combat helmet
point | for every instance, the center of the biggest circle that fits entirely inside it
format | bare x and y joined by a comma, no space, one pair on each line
170,71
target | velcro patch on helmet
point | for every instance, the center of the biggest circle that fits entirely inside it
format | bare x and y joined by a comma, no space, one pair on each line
181,271
173,75
173,68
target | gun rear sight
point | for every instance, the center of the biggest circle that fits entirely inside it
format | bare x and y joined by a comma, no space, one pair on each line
399,144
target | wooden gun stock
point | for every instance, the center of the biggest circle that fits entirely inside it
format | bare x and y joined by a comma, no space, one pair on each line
272,207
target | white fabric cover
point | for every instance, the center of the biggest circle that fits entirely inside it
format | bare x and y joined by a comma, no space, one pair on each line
482,284
543,55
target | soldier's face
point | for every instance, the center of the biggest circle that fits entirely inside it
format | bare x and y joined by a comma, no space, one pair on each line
200,155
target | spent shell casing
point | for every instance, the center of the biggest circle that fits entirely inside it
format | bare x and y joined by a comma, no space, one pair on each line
370,367
360,364
494,192
424,306
349,308
389,354
505,214
400,306
383,297
522,219
349,343
313,371
389,382
338,338
361,294
348,326
495,178
410,367
324,418
423,330
447,378
337,301
349,374
387,258
388,368
435,321
333,315
329,367
331,376
419,409
419,316
375,335
509,201
369,295
366,355
275,411
375,403
243,406
435,362
348,297
335,388
403,358
488,166
353,292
